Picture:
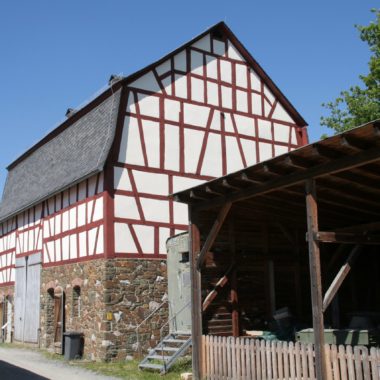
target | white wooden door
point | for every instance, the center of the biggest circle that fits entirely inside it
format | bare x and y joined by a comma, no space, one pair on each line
27,298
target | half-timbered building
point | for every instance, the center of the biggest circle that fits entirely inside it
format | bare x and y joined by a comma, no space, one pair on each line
85,212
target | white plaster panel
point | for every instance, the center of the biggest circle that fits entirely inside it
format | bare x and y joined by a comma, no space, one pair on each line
241,75
212,93
255,81
211,67
65,221
147,82
193,145
265,129
164,234
100,243
256,104
98,212
82,244
225,71
131,106
133,153
245,125
73,217
46,229
265,151
183,183
219,47
124,242
149,105
164,67
125,207
151,131
73,246
57,204
50,251
58,253
81,216
171,147
204,43
280,114
249,149
294,136
281,132
82,190
155,210
268,94
233,53
57,219
197,90
226,97
151,183
180,61
228,126
215,122
196,62
92,185
73,194
145,236
65,248
196,115
180,85
30,240
121,179
172,109
280,149
180,211
234,161
267,108
242,101
92,240
101,182
212,162
65,201
167,83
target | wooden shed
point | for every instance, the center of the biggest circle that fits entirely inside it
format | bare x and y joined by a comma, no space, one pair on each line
299,231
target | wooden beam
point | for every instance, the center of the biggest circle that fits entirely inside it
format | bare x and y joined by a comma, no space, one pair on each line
218,286
339,278
345,238
315,279
213,233
333,166
374,226
235,315
196,306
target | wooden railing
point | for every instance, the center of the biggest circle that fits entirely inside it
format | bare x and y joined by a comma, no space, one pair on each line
228,358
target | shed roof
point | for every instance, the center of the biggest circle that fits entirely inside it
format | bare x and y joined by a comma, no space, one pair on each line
345,166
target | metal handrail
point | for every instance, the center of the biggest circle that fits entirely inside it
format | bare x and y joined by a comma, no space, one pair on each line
144,321
165,324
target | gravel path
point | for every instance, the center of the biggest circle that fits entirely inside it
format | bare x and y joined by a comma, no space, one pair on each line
19,363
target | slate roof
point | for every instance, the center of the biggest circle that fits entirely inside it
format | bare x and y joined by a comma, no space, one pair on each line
77,152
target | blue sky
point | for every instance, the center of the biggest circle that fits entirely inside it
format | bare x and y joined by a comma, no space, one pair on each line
55,55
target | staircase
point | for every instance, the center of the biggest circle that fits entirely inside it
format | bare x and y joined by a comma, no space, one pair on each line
166,353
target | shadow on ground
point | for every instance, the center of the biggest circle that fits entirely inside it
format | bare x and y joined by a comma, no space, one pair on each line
11,372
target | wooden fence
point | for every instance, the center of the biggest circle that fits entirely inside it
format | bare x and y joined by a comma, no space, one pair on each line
226,358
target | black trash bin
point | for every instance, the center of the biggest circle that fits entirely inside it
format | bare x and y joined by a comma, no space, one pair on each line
73,345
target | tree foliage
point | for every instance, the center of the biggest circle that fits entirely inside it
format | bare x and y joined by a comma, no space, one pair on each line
359,104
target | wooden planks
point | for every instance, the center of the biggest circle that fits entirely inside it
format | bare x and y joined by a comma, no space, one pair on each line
229,358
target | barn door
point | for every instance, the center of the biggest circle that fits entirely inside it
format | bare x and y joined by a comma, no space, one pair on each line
27,298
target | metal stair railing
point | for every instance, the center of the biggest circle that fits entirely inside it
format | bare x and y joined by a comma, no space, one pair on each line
174,317
144,321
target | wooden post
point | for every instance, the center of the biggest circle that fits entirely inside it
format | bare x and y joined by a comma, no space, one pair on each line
234,291
315,279
269,274
196,301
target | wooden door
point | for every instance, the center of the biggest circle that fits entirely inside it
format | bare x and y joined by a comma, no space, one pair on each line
27,298
59,320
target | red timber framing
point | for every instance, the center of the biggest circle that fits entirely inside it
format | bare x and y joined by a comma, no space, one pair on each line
293,194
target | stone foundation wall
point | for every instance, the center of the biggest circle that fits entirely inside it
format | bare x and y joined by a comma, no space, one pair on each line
88,318
133,289
115,296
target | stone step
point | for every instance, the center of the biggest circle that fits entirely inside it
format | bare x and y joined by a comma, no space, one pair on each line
151,366
171,340
159,357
